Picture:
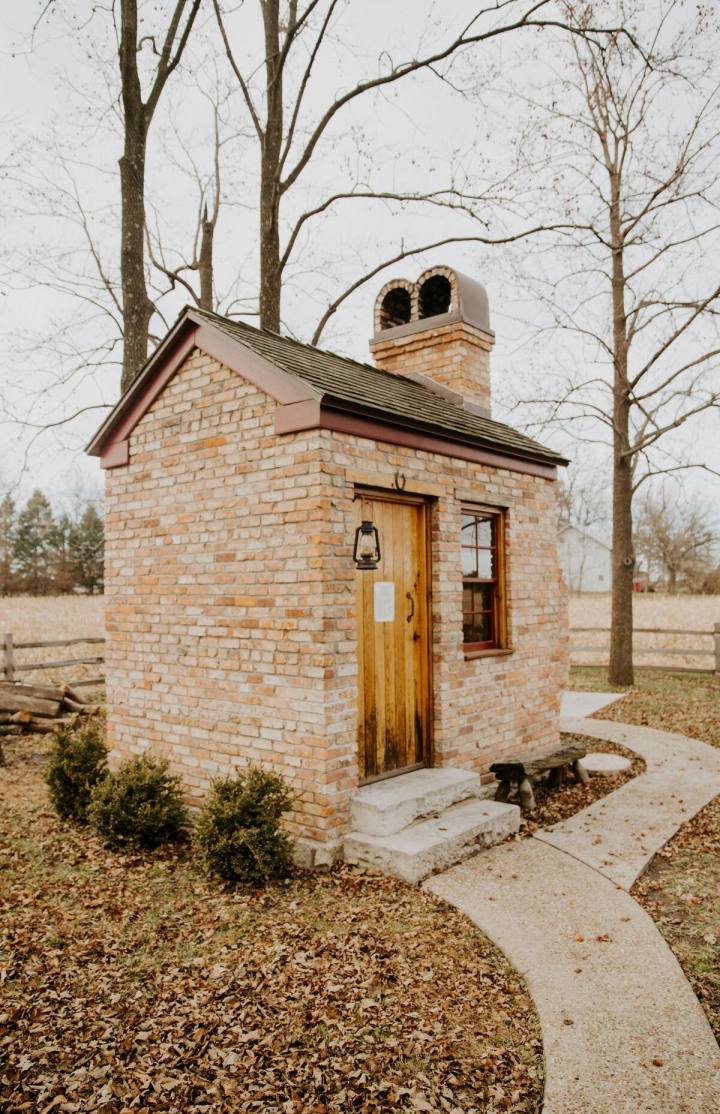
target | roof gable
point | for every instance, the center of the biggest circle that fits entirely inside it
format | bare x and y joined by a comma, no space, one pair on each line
570,527
308,383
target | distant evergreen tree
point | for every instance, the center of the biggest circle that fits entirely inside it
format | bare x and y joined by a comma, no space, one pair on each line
87,550
62,573
33,545
7,544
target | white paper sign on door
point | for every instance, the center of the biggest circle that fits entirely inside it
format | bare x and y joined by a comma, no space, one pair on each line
384,601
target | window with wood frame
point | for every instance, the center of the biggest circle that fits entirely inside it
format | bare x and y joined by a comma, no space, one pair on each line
483,579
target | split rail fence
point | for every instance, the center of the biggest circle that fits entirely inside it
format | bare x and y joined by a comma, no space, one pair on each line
578,653
11,666
710,648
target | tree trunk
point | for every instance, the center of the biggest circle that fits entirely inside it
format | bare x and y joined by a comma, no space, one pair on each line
623,559
270,271
672,581
621,624
137,307
205,263
270,267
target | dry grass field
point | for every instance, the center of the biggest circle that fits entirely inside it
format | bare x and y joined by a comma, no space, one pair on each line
44,618
671,613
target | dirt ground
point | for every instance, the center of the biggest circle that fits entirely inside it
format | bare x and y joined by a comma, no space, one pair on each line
128,983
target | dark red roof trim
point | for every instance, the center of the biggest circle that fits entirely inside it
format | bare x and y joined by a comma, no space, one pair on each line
411,439
300,405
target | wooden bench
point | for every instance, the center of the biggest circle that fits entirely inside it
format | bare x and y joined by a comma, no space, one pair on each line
522,772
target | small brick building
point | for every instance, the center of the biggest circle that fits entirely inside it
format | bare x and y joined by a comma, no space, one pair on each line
240,465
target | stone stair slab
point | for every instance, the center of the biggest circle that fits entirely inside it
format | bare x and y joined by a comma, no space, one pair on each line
388,806
434,844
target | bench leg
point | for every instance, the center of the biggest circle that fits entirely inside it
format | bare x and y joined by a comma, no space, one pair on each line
527,797
557,776
503,791
580,772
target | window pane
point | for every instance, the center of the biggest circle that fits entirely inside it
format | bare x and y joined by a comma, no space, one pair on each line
478,627
485,531
468,529
469,562
482,597
469,631
486,564
484,624
481,570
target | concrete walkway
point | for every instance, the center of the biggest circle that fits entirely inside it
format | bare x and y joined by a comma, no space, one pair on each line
582,704
620,833
622,1029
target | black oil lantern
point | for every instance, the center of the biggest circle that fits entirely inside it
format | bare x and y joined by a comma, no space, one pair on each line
366,551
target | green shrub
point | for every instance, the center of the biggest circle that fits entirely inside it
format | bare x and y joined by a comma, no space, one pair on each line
139,804
78,762
238,834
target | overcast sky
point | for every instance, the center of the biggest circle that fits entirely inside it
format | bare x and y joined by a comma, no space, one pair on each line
59,133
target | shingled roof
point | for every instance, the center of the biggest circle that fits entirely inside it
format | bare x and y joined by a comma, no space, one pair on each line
356,388
349,384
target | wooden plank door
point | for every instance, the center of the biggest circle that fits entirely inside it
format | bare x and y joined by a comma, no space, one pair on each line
393,613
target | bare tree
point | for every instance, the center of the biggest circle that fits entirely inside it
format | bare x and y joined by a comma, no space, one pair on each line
138,112
676,537
128,93
121,280
583,499
290,137
63,357
625,145
194,271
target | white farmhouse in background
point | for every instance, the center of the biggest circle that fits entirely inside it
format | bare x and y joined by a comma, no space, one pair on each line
585,561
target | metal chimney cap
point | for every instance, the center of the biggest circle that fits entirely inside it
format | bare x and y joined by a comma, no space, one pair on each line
440,296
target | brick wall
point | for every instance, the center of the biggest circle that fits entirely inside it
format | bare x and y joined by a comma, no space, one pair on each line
230,598
484,707
215,533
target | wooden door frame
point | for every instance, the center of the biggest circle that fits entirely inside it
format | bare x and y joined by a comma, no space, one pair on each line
389,495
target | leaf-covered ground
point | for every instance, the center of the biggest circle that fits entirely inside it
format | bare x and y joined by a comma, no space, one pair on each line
681,887
684,702
128,984
681,892
554,805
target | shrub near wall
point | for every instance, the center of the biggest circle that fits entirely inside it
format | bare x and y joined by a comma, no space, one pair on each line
238,834
78,762
140,804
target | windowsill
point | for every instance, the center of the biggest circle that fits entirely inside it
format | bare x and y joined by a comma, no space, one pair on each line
493,652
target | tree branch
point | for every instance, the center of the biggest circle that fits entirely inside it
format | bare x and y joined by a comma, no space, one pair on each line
236,70
409,252
415,65
169,61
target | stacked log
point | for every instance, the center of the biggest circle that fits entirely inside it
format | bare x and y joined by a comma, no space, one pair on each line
37,709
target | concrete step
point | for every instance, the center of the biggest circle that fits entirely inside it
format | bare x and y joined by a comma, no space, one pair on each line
389,806
434,844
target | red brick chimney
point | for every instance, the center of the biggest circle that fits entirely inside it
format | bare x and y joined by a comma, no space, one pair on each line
437,331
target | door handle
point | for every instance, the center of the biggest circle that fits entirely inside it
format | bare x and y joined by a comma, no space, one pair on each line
410,596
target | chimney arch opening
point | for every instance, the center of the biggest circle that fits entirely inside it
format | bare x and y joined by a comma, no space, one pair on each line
435,296
395,308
